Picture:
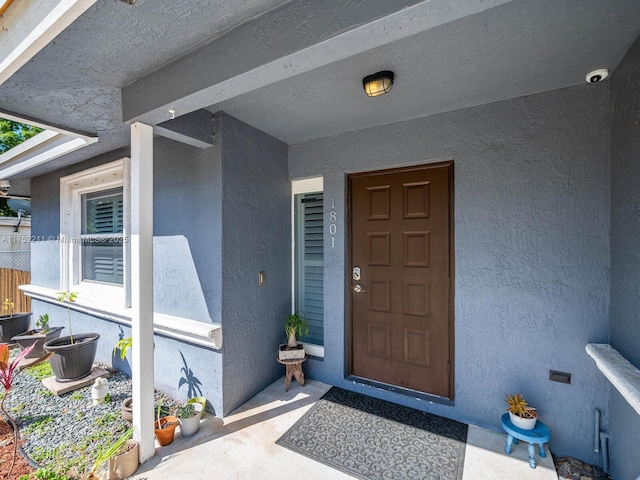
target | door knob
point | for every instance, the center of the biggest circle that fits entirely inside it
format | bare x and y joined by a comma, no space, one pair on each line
358,289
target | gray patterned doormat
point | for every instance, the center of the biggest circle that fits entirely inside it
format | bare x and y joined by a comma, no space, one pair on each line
374,439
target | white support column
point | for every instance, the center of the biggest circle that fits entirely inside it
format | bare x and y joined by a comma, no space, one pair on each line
142,286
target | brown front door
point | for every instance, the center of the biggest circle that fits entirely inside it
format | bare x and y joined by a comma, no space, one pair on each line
401,307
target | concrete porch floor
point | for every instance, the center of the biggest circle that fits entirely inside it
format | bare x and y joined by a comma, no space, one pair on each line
242,446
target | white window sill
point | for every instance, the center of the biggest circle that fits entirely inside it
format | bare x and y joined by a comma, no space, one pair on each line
207,335
618,370
313,349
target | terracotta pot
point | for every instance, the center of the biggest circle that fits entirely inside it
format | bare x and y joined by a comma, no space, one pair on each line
12,325
38,339
165,435
124,465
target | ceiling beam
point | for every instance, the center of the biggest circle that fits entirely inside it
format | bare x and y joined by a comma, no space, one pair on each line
195,128
299,37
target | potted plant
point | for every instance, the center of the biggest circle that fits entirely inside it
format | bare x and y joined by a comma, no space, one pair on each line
122,346
189,418
73,354
520,413
296,324
7,376
200,400
38,337
122,456
12,324
165,428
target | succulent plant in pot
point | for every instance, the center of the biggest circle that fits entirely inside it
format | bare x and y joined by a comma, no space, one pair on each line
521,414
189,418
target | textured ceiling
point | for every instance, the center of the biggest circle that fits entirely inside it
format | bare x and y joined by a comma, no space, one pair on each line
75,81
514,49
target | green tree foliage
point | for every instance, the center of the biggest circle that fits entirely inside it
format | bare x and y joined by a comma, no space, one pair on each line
14,133
6,211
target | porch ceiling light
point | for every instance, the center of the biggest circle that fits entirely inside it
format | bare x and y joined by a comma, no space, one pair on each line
378,83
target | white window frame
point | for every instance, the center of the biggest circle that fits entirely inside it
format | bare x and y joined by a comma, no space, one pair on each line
103,177
307,185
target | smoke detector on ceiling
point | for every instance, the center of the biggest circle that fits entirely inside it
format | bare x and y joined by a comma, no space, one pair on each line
597,75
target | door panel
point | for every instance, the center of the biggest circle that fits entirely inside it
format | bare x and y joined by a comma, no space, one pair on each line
401,321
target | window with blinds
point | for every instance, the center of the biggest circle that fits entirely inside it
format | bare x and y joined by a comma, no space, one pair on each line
101,236
309,260
309,263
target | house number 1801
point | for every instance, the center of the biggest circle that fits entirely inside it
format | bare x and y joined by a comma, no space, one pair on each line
333,217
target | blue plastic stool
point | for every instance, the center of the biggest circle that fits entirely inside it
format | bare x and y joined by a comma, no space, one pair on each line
539,435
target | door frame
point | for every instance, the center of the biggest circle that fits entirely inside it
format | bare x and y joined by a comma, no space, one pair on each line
449,164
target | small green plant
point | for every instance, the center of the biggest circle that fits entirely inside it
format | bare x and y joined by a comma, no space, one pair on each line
112,450
45,473
68,298
39,426
18,408
79,415
296,324
43,323
45,392
158,414
76,396
123,345
187,410
107,419
7,306
518,406
161,412
40,371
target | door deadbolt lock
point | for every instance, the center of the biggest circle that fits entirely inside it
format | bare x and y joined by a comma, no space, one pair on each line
356,273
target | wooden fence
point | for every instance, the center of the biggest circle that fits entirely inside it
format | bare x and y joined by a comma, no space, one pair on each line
9,281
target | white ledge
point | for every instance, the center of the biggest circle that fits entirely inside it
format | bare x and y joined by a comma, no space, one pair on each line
620,372
207,335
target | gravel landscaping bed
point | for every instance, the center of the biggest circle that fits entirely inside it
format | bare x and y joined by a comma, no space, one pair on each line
65,432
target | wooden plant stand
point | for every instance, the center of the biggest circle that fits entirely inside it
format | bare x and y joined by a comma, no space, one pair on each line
294,369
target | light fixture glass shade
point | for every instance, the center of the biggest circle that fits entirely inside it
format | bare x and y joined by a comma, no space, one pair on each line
378,83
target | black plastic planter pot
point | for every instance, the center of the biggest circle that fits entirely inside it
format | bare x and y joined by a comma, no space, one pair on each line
37,338
72,361
14,325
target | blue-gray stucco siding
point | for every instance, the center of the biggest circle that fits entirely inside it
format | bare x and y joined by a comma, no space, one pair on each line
531,251
230,201
256,237
534,272
625,254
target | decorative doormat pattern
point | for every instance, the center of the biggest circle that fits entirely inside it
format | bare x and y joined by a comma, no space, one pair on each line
374,439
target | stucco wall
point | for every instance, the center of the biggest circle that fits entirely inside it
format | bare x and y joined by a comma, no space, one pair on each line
625,253
531,251
187,265
256,212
